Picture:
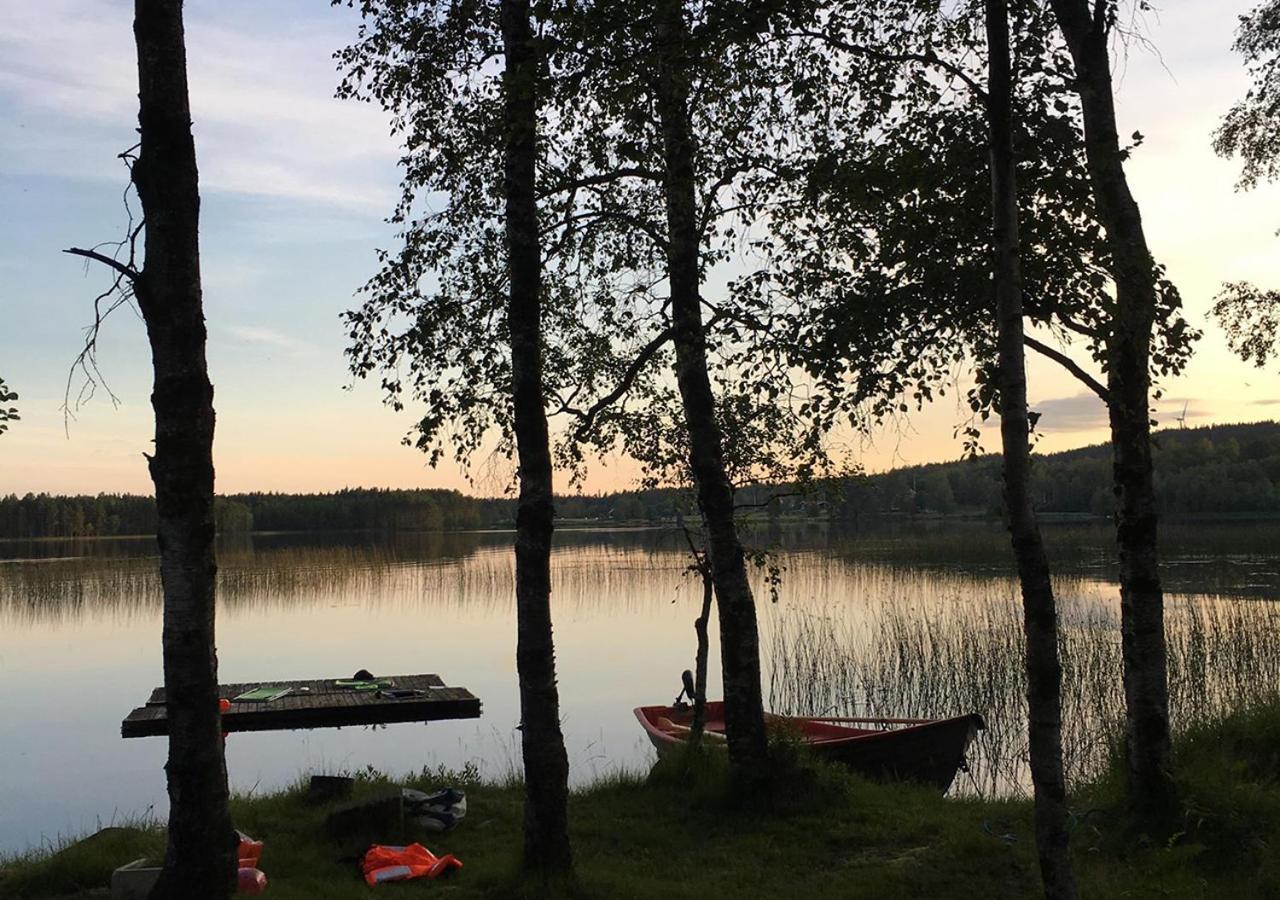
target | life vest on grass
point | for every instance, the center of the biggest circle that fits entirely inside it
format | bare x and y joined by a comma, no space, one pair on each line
382,863
249,879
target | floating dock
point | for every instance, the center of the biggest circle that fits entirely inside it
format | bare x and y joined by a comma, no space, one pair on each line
319,704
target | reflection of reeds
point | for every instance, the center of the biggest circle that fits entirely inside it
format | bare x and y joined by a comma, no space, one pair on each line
965,655
471,572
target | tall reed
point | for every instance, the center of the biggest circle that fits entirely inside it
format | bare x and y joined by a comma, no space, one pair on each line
964,653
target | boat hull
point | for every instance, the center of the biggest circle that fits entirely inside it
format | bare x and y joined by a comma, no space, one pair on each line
928,752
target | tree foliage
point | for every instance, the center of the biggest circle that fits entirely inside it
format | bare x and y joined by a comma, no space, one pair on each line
1251,129
1251,318
893,251
432,313
7,413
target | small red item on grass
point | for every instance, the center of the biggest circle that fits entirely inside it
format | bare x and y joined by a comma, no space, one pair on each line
249,851
381,864
251,881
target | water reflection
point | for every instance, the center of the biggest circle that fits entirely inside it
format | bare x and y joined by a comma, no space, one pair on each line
908,619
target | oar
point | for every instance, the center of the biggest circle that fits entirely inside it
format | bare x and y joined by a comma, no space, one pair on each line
854,719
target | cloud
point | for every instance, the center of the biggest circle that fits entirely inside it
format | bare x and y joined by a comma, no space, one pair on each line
1083,412
254,334
265,120
1179,409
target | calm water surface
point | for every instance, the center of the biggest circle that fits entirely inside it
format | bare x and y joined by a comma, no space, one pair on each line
80,640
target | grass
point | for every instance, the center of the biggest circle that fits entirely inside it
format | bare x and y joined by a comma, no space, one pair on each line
681,832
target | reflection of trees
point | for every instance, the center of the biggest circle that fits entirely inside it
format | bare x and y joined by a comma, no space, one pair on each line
595,570
119,580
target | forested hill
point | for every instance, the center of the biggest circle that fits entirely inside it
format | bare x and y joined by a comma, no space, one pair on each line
1214,470
1220,469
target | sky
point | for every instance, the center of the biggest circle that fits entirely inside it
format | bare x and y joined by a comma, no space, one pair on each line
295,188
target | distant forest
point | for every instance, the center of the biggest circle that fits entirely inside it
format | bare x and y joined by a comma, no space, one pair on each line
1216,470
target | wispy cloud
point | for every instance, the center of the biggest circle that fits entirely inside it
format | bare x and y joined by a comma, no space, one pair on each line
1180,409
1083,412
254,334
265,119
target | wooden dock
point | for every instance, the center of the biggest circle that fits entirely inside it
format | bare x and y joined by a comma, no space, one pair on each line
322,705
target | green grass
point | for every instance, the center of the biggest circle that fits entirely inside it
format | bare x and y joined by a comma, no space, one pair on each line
682,832
78,866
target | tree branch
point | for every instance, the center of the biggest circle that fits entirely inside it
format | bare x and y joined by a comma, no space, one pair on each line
1071,366
127,271
930,59
1073,325
626,218
772,497
646,353
600,178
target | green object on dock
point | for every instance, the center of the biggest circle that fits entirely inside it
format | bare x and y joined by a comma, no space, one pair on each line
264,694
375,684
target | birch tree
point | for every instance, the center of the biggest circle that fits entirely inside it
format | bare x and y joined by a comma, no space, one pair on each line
200,858
1040,614
464,84
1128,342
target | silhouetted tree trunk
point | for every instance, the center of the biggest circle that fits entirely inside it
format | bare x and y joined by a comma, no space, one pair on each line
739,641
1087,31
1040,616
200,860
546,765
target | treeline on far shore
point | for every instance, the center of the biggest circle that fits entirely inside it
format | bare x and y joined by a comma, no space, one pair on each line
1215,470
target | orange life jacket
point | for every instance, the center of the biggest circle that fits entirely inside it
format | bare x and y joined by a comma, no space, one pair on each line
382,863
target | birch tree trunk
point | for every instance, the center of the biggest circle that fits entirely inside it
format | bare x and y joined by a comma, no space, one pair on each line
1040,617
546,765
1128,384
739,640
200,861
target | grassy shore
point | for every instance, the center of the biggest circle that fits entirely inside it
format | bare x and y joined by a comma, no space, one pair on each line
680,832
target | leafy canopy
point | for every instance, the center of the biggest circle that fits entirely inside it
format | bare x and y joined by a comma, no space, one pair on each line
7,413
894,253
431,324
1251,130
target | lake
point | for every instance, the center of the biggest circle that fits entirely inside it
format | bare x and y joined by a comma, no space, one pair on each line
911,618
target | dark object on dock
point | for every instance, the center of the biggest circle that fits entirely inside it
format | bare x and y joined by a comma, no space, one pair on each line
929,751
326,788
319,704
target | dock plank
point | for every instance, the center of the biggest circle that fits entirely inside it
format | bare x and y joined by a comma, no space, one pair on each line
324,705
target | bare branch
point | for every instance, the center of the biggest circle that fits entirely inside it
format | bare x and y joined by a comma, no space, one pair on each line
1071,366
772,497
127,271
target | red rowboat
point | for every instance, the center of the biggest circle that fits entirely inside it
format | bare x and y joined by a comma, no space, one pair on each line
929,751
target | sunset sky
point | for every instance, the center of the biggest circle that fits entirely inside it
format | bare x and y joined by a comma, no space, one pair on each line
295,188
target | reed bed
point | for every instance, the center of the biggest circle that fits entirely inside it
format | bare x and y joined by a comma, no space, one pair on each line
964,653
